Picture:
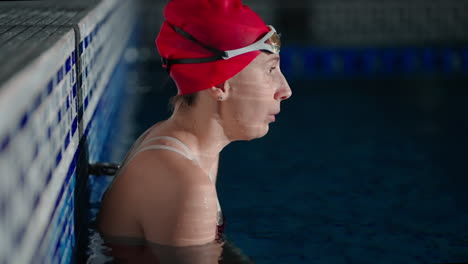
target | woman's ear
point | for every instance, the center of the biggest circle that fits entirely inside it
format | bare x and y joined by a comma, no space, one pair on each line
220,92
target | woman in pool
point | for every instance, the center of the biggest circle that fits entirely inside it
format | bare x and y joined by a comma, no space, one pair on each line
225,63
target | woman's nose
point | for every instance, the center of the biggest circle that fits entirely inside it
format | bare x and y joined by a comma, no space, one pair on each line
284,91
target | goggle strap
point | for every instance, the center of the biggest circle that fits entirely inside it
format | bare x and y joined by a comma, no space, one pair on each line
190,37
195,60
168,62
253,47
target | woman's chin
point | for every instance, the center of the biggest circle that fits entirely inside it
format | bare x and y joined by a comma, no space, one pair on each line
260,132
252,132
265,130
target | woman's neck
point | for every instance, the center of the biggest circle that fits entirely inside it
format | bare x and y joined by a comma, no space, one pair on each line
202,132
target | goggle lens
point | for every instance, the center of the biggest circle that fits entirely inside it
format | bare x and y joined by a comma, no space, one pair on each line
275,42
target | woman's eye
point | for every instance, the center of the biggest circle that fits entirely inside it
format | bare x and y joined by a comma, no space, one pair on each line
272,69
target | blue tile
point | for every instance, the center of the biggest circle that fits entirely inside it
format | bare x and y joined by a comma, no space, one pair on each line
49,132
36,151
36,200
59,116
58,158
50,87
86,41
37,103
68,65
48,177
73,56
67,141
18,237
72,167
59,75
86,132
57,246
68,102
5,143
86,103
24,120
60,217
74,90
74,125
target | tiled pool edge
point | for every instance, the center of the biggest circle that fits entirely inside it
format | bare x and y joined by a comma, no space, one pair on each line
44,228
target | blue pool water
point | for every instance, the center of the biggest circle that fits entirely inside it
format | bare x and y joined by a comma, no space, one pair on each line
351,172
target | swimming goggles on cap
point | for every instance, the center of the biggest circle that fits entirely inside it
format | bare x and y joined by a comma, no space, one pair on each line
270,42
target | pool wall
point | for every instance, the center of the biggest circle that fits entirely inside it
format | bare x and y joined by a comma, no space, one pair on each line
57,104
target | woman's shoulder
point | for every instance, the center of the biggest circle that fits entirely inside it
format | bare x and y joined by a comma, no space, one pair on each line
158,164
156,190
156,177
171,195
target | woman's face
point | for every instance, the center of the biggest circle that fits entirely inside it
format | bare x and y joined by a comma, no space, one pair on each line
253,98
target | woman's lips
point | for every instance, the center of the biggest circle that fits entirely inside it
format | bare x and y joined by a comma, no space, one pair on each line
273,117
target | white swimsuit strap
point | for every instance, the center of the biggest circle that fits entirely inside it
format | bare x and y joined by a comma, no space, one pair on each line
187,153
186,149
162,147
132,154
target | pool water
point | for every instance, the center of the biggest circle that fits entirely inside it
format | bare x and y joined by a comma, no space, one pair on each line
351,172
359,173
220,251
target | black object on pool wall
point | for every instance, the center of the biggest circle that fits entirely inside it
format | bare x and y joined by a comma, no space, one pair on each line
101,169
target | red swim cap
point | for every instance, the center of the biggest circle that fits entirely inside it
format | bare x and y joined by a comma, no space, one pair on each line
221,24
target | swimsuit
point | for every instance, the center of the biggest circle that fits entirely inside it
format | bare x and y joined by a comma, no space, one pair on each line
184,152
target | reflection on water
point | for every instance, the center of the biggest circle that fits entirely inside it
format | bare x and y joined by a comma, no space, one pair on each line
220,251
